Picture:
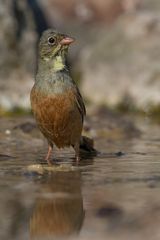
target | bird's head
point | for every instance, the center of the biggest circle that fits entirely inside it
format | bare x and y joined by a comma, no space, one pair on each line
53,44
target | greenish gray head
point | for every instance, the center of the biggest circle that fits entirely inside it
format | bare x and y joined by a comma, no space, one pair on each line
53,43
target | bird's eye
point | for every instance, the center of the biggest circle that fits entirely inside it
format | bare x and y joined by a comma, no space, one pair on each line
51,40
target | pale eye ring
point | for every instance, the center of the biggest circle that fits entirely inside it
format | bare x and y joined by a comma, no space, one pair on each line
51,41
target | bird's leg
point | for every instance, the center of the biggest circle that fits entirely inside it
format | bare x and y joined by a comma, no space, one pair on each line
48,155
76,148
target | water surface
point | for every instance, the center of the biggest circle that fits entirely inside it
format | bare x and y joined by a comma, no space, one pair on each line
114,195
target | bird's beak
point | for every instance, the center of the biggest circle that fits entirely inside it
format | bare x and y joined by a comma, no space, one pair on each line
67,40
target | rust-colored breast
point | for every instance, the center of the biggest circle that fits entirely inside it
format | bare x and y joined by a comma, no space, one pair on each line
58,117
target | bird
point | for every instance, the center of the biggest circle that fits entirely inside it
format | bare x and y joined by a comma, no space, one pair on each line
56,101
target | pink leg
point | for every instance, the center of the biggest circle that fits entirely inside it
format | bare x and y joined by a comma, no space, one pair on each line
48,155
76,148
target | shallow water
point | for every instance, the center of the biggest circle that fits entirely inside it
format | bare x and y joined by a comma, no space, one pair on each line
114,195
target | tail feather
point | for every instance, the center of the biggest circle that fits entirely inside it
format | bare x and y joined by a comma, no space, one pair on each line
87,144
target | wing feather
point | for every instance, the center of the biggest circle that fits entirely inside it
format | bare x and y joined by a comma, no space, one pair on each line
80,103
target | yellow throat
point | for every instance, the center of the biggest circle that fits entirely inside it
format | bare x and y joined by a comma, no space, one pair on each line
58,63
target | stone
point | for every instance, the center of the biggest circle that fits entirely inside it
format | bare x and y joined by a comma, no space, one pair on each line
123,64
18,39
90,11
114,25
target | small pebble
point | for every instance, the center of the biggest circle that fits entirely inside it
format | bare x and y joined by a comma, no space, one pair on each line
109,210
8,132
119,154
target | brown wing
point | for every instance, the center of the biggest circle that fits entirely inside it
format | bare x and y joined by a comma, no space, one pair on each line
80,103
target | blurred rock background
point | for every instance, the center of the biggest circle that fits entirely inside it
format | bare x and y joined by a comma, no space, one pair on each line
115,58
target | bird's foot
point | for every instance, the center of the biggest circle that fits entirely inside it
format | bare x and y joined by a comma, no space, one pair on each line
77,158
48,155
76,148
49,162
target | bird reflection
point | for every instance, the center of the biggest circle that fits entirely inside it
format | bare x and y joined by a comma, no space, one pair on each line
59,211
